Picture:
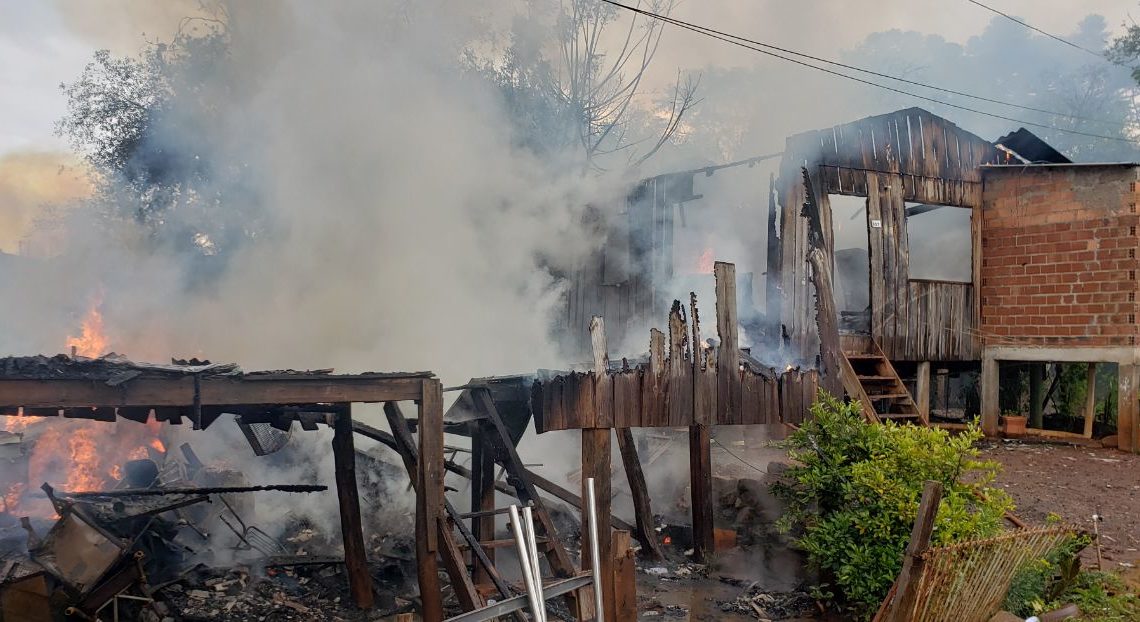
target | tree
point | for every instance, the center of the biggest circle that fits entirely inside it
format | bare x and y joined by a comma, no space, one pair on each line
144,126
580,95
1009,63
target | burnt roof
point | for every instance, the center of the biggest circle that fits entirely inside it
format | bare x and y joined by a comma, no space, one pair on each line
1029,147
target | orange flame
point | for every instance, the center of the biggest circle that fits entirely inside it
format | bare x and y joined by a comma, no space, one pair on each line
15,422
92,341
11,499
705,262
157,444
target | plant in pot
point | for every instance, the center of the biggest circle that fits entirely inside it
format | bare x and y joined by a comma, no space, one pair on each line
1013,424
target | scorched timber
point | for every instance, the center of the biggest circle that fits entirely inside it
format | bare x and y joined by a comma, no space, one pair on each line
150,492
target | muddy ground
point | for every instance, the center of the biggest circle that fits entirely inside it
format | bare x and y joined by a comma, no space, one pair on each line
1076,482
1071,481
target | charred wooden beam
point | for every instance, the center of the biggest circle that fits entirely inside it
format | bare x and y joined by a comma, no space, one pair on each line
218,490
700,475
352,532
450,551
642,508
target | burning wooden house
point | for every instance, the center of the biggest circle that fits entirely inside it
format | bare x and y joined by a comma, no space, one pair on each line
1034,262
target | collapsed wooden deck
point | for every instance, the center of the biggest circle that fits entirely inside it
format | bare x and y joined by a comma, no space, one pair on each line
105,390
695,385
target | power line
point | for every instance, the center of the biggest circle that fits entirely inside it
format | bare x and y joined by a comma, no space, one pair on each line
738,458
1036,29
888,76
745,43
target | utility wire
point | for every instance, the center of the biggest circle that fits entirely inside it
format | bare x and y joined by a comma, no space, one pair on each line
890,77
738,458
759,47
1036,29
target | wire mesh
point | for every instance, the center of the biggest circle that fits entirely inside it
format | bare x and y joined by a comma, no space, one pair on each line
264,438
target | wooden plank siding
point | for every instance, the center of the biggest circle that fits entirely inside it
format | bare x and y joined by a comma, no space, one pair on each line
906,156
684,383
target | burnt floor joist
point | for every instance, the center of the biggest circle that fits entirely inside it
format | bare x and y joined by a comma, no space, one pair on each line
277,398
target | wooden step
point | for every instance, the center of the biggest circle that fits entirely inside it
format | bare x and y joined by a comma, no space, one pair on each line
898,415
887,396
875,378
862,356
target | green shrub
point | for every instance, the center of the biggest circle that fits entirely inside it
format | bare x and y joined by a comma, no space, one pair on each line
854,494
1057,579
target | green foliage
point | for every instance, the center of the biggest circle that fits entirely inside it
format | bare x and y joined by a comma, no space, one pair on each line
1072,389
854,495
1057,580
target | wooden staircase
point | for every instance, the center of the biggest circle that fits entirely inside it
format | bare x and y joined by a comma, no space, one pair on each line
877,385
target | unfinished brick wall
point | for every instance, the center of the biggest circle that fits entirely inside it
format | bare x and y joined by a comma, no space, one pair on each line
1059,255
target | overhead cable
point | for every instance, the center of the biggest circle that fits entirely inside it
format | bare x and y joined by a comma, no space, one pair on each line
1038,30
760,47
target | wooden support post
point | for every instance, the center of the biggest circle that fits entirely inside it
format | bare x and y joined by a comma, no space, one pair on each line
826,317
642,508
625,578
482,496
700,476
990,406
772,292
449,550
429,497
1036,408
942,386
1090,400
1128,428
728,356
837,376
922,390
596,453
906,595
352,533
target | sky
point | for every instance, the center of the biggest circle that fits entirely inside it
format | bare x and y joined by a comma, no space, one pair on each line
46,43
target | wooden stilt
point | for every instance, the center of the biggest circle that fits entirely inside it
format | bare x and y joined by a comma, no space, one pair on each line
922,390
482,496
429,497
355,557
642,508
625,578
700,475
596,452
449,550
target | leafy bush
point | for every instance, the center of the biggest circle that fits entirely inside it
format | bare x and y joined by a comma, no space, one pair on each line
1057,579
854,494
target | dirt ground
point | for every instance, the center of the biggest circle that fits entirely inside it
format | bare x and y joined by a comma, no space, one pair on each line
1076,482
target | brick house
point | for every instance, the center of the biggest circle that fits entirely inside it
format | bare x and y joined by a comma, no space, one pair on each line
1047,249
1058,275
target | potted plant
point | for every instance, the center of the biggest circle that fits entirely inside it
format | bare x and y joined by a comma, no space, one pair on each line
1014,424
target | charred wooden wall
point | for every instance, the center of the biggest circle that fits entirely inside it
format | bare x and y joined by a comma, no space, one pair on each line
693,382
624,280
908,155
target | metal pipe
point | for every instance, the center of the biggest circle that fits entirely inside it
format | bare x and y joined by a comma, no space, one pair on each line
595,563
532,548
524,561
